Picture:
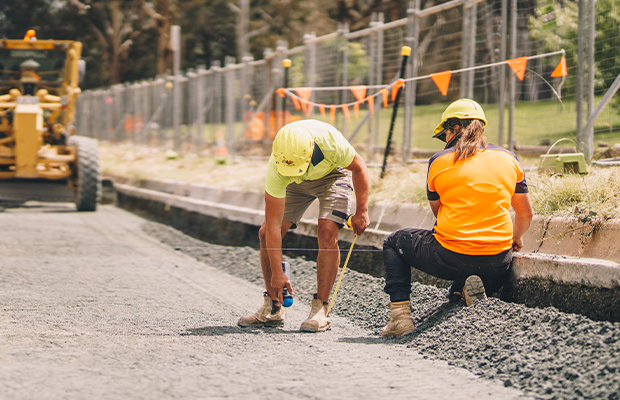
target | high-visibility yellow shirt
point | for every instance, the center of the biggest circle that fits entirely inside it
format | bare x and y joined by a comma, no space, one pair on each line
331,150
475,196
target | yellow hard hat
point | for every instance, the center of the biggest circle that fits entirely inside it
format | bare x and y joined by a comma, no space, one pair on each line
461,109
292,150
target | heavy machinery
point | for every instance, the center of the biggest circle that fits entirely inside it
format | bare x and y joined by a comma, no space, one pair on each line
38,90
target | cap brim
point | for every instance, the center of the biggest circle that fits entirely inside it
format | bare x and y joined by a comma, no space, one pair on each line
441,135
292,170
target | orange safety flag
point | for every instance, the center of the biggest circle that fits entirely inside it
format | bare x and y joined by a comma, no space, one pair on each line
560,70
345,110
322,109
371,104
296,102
442,80
384,92
305,93
359,92
332,113
309,109
397,85
356,108
518,66
280,92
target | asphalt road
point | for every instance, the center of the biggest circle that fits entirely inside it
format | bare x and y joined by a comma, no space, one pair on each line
96,307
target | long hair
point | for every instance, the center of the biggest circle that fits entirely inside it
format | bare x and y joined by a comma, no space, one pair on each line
471,139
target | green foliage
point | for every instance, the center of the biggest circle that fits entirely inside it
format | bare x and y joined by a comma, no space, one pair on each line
563,34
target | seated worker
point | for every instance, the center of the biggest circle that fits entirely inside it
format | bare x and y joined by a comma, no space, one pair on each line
470,187
310,159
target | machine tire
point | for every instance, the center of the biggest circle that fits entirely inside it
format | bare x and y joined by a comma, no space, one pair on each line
85,179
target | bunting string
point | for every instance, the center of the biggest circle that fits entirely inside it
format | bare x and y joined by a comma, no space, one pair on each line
301,95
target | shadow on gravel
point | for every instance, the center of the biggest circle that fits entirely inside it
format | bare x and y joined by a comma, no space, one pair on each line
233,330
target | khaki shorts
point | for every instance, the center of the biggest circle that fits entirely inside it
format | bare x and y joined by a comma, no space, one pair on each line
335,194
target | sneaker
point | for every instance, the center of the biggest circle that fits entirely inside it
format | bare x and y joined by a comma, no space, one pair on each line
318,321
400,323
270,314
473,290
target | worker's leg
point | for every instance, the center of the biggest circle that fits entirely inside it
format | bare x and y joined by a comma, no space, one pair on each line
328,258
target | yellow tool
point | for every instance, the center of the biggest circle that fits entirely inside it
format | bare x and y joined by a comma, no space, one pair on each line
343,267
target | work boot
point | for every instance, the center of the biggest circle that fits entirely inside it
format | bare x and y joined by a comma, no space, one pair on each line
318,321
473,290
400,323
270,314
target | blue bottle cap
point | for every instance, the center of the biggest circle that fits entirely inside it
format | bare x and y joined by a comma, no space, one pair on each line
287,301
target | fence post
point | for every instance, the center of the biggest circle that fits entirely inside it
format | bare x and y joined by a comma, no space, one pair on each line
230,104
200,104
580,71
379,80
345,72
502,75
413,27
464,49
513,83
473,16
372,47
216,120
589,133
310,66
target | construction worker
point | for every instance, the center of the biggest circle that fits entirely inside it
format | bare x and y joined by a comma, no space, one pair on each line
470,187
310,160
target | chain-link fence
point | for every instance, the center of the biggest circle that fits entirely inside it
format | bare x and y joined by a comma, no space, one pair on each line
235,109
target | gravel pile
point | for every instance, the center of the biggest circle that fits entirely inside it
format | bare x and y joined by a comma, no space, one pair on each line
544,352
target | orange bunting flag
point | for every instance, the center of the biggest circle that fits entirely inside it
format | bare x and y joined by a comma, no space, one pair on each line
345,110
309,109
560,70
397,85
384,92
296,102
332,113
442,80
305,93
280,92
518,66
359,92
356,108
322,109
371,104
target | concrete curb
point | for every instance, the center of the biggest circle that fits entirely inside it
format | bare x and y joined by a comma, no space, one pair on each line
538,279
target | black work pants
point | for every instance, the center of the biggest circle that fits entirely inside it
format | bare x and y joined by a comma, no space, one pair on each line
419,249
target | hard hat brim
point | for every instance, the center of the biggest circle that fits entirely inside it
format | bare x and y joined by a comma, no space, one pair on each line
292,170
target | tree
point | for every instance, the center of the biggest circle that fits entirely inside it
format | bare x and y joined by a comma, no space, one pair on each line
116,24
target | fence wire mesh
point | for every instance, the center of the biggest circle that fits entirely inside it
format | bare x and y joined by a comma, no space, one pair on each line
234,109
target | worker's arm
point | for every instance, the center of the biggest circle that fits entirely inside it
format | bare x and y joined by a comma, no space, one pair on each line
522,205
361,186
435,204
274,212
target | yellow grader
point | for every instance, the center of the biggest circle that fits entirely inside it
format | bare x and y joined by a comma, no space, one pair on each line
38,88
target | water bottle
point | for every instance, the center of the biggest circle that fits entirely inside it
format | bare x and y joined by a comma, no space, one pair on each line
287,298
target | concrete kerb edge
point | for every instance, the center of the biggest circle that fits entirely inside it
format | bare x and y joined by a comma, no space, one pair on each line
555,268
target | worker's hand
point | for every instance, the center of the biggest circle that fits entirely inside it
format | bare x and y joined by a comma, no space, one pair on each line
517,244
359,222
278,282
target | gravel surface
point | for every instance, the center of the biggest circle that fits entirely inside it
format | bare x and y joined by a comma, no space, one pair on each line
543,352
95,306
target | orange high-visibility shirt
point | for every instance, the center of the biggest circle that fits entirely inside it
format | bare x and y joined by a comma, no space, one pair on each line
475,196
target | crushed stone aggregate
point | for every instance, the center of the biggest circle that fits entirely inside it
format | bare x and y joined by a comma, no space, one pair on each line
544,352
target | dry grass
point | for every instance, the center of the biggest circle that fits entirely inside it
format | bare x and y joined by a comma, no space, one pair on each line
595,195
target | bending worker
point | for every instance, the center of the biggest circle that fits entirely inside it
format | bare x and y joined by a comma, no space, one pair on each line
310,159
470,187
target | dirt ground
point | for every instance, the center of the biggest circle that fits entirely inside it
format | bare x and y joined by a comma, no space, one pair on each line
107,305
